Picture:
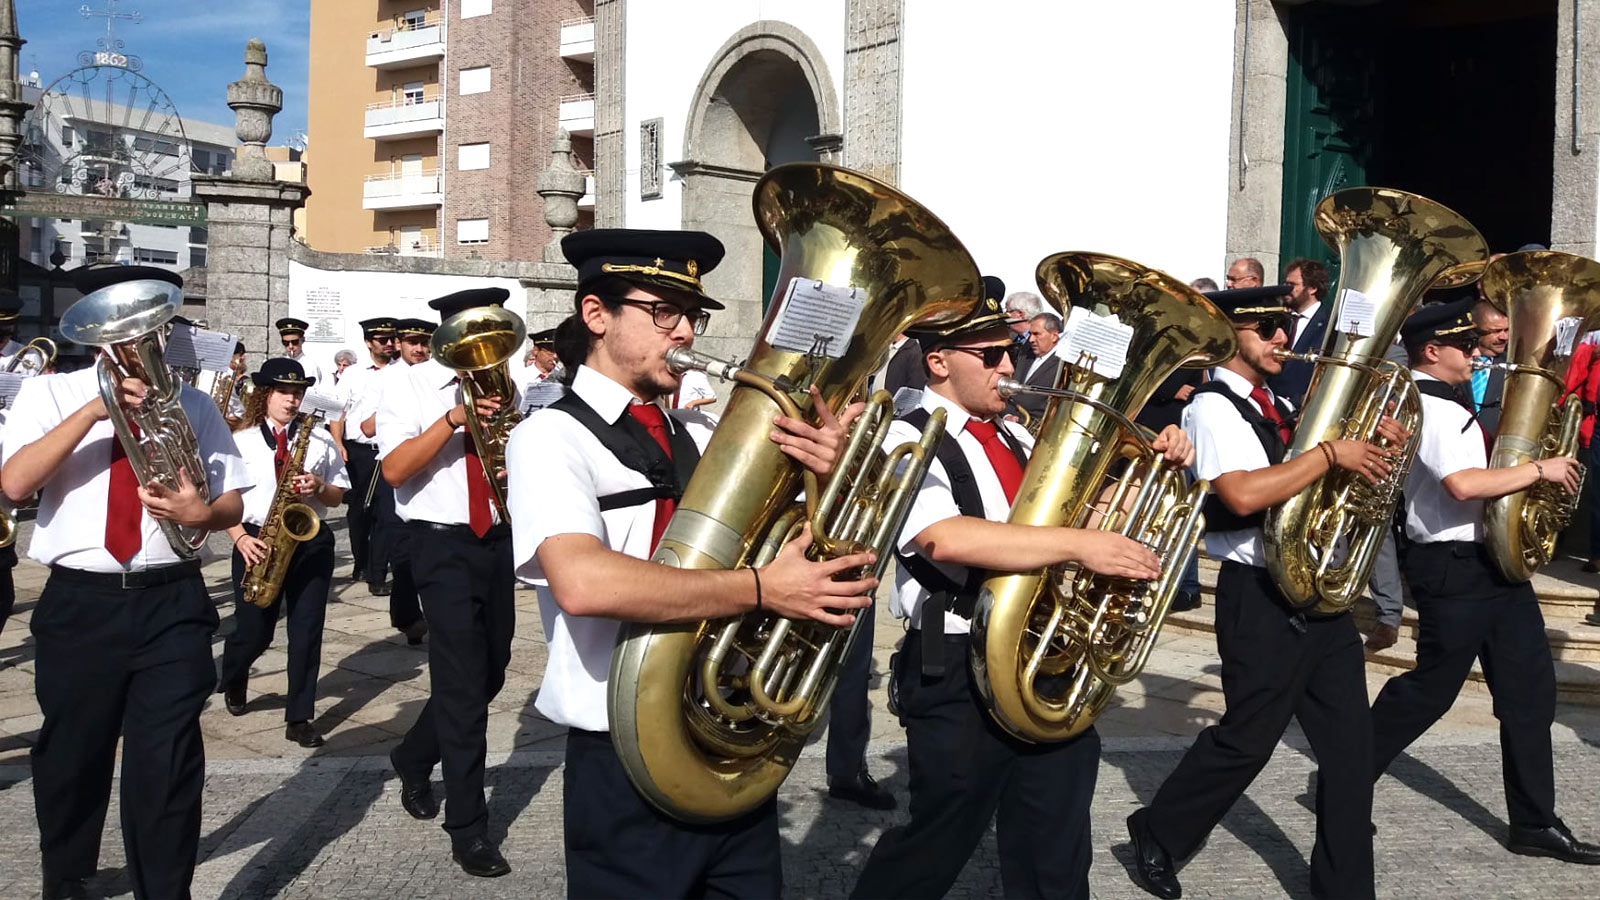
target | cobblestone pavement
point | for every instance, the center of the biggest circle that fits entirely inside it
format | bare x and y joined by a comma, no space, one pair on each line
280,821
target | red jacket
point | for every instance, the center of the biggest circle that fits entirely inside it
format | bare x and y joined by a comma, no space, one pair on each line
1583,377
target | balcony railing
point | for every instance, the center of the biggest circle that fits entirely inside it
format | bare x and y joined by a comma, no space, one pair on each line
406,45
404,118
577,39
423,247
420,190
577,114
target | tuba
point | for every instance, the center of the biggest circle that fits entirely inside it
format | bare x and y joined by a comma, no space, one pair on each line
127,321
478,343
708,717
289,522
1321,544
1551,299
1050,648
34,357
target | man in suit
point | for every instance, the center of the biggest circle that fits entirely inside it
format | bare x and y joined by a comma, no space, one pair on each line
1044,332
905,366
1494,331
1307,280
1020,307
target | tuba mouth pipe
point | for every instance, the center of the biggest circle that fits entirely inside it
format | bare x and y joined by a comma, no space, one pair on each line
684,359
1010,387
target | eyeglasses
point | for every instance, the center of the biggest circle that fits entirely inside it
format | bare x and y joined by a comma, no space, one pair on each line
991,355
1269,325
291,342
668,315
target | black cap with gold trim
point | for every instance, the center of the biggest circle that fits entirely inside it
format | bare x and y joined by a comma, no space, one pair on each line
1447,323
987,315
1250,303
414,328
10,306
89,279
675,260
450,304
289,325
281,371
381,326
545,340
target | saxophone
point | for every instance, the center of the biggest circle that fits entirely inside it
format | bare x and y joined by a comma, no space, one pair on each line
1541,292
289,522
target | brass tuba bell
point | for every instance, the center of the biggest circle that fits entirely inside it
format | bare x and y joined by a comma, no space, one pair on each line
478,343
1321,543
707,718
1050,647
1550,299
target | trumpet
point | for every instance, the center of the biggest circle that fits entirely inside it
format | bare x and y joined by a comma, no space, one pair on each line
42,353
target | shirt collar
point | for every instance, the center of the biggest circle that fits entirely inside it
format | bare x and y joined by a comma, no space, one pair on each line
956,418
1235,382
1423,376
1310,311
604,396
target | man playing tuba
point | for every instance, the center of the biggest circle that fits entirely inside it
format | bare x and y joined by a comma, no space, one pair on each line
585,525
965,769
1276,664
1466,608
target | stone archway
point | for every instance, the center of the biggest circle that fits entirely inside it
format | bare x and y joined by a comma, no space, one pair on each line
766,98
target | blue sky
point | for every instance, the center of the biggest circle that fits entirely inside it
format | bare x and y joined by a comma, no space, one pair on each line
191,48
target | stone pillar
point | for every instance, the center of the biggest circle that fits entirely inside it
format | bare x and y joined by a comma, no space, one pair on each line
561,186
610,165
1575,185
250,219
871,142
12,106
1255,146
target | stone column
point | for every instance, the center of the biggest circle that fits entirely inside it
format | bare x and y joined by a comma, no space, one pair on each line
871,141
12,106
250,219
561,186
610,166
1575,183
1255,143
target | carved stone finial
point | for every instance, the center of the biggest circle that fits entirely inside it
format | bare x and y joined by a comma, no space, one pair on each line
254,101
561,186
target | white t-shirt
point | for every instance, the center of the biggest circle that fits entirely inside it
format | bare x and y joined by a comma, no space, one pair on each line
1443,449
322,460
1224,442
558,471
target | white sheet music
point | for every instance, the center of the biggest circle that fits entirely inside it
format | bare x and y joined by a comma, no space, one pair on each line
817,317
324,405
1357,313
189,347
538,396
10,383
906,399
1101,342
1567,334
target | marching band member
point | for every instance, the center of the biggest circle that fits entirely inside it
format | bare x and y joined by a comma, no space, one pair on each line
292,332
391,539
123,627
1276,664
965,769
1466,609
361,451
10,308
460,556
265,439
544,378
639,295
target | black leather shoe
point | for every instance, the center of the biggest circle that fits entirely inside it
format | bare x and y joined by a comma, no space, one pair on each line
862,789
233,698
416,794
379,590
303,734
481,858
1185,601
1555,842
65,889
415,632
1152,867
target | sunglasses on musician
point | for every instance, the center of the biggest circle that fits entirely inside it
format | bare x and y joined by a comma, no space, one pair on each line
1269,325
991,355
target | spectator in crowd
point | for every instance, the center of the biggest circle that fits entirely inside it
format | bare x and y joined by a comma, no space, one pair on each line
1246,272
1020,307
1308,280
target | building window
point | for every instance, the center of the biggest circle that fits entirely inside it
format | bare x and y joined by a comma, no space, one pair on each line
413,19
159,257
411,93
472,156
66,136
650,159
472,231
475,81
197,256
471,8
198,235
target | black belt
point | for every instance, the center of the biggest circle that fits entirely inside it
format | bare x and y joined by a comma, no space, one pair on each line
1460,549
129,580
502,530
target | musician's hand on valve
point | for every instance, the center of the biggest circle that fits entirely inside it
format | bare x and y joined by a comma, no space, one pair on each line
182,504
1174,446
1367,460
817,447
1393,432
252,549
485,407
1109,553
131,393
1560,470
798,588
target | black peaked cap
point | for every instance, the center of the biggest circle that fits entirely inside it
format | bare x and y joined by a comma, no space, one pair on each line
281,371
1438,321
450,304
674,260
92,278
1245,302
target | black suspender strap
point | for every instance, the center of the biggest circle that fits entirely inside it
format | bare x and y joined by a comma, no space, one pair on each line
1444,391
633,446
1218,516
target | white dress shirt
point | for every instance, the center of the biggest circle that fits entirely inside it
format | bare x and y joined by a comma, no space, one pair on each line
1443,449
362,387
322,460
1224,442
72,505
559,470
935,502
9,352
413,399
1302,320
311,369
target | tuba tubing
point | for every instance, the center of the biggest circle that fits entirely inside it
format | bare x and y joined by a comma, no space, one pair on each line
478,344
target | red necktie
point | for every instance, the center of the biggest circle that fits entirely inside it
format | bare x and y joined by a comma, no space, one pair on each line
1000,456
124,512
478,516
1270,411
650,416
281,457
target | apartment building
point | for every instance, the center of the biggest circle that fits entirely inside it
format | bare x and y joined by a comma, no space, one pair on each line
429,124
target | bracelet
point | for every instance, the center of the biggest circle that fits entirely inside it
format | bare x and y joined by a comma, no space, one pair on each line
449,419
1327,452
1537,469
758,587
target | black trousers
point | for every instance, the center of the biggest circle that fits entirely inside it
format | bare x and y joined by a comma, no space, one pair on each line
467,589
1467,610
965,771
8,587
134,664
1271,671
849,717
305,599
363,465
391,550
619,846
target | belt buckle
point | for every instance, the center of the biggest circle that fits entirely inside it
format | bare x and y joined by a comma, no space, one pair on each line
134,582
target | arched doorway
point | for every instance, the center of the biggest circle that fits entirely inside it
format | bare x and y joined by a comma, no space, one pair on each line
766,99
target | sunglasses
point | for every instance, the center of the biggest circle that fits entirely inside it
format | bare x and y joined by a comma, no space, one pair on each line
292,342
1269,325
991,355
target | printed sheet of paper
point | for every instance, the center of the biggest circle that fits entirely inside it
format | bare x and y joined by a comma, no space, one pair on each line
10,383
538,396
906,399
1101,342
325,405
817,317
1357,314
1567,334
189,347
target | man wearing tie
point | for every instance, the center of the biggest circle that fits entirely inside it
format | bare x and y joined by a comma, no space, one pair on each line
1044,332
1306,281
1494,332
